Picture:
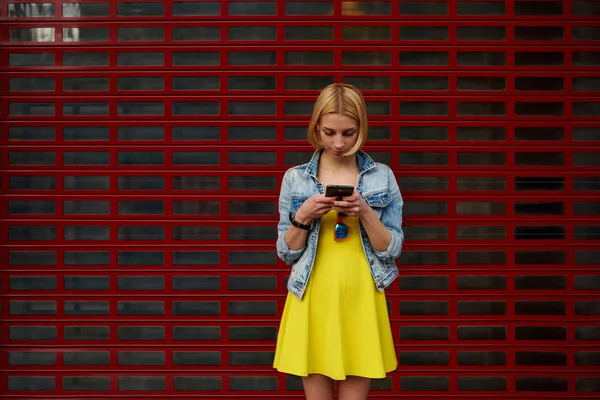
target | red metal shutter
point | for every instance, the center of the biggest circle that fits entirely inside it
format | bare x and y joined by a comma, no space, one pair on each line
143,144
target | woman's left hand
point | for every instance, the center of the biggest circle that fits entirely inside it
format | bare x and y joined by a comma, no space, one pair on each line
352,205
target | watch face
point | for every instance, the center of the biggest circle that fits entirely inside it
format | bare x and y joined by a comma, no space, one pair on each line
300,225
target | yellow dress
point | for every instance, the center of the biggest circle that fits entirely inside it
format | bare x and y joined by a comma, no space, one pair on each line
341,326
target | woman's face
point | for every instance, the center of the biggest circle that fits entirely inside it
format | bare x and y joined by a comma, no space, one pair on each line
339,133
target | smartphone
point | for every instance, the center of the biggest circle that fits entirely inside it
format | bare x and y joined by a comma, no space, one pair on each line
339,191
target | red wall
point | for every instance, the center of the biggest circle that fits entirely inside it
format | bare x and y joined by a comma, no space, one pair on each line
143,145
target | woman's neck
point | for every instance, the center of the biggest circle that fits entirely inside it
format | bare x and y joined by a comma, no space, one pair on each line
331,163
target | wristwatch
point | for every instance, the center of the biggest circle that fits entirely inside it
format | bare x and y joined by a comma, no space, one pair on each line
300,224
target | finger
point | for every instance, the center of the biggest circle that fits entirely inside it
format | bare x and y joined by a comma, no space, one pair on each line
344,203
327,200
352,210
345,210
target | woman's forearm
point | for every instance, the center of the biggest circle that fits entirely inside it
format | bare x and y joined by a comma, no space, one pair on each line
379,235
296,237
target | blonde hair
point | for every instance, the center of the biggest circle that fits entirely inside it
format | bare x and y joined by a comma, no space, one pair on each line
344,99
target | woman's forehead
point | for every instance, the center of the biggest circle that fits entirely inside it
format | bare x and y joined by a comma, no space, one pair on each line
338,121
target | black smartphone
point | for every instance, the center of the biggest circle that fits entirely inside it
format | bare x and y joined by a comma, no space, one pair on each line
339,191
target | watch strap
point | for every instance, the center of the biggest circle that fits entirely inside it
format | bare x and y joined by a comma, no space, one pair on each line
298,224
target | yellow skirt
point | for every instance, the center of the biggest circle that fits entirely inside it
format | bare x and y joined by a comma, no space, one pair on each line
341,326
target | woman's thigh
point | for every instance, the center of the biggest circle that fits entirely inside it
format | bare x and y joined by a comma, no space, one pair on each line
318,387
354,388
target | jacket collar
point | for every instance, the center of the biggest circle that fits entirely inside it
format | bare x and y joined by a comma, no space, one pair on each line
365,163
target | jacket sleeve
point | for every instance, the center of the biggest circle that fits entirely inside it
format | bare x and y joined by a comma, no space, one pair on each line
284,252
391,217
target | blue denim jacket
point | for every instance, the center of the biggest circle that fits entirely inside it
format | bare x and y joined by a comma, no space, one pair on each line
376,184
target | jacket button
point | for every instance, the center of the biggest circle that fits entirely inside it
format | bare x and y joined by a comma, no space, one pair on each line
371,260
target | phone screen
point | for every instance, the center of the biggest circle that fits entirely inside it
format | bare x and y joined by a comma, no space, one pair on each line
339,191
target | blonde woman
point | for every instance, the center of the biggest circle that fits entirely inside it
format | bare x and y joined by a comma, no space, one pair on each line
335,324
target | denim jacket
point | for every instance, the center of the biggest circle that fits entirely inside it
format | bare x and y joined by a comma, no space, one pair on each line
378,187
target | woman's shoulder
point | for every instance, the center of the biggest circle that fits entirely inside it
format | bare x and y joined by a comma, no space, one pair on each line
294,172
381,170
295,177
372,165
383,167
380,178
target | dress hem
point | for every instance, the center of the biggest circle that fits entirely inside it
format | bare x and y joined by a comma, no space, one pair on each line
339,378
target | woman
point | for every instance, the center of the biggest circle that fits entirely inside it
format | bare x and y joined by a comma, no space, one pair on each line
335,325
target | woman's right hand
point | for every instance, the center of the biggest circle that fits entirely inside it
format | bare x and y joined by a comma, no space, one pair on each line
314,207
